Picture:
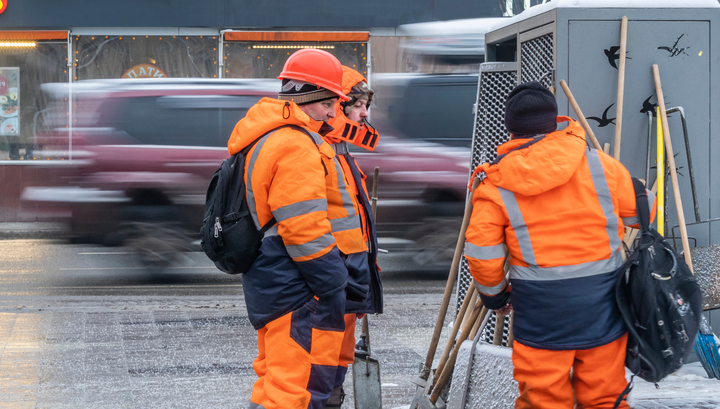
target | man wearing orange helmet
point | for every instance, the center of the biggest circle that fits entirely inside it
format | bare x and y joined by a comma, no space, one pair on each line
350,217
295,291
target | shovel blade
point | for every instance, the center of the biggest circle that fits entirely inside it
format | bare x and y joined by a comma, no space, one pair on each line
366,384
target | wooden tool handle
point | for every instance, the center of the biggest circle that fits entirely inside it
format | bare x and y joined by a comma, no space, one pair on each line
621,87
499,328
364,328
451,278
447,370
673,169
469,295
374,198
579,114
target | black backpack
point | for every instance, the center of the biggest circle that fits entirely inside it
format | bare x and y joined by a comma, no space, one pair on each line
229,236
660,302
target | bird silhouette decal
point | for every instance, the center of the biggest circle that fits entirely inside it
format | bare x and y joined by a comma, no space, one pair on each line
604,121
613,54
648,107
674,50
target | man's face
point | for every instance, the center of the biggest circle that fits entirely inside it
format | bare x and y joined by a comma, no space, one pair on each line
320,111
358,111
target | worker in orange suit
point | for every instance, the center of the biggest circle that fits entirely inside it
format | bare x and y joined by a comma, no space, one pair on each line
559,208
350,216
295,291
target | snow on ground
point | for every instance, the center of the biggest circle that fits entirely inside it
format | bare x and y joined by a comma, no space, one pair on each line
689,387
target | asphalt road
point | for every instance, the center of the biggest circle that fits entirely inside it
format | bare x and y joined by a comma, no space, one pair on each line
87,326
45,267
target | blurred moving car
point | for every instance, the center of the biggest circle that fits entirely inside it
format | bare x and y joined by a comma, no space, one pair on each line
145,151
429,107
455,46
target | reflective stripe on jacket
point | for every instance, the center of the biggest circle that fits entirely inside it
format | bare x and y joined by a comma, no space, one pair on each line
343,209
285,179
560,209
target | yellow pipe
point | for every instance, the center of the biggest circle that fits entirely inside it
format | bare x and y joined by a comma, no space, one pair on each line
660,176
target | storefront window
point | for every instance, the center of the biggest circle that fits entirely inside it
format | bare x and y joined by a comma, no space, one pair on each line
145,56
266,59
25,65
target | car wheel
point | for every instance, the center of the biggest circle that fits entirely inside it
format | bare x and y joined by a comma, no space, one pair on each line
435,240
155,237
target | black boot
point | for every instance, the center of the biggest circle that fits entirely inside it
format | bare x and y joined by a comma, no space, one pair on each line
336,398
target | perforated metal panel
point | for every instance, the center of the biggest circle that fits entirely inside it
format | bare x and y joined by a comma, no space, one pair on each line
494,84
489,333
536,60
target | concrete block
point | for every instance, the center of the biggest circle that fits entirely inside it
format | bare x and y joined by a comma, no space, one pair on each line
490,384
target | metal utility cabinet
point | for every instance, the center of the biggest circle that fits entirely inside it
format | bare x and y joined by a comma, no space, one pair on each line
578,41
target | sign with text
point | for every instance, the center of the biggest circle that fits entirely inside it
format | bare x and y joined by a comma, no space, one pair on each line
144,71
9,100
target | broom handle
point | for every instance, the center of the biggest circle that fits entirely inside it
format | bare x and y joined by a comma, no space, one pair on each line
579,114
447,370
673,169
469,295
451,278
621,87
364,329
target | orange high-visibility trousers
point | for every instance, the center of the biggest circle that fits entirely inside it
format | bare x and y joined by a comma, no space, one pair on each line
298,356
347,349
545,383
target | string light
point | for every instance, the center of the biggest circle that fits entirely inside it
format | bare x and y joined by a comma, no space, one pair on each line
330,47
18,44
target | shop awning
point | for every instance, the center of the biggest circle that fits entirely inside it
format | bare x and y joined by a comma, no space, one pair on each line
296,36
33,35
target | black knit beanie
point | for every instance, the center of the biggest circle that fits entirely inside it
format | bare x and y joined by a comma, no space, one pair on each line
303,92
530,110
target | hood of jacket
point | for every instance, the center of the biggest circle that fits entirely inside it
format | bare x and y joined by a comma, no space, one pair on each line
263,117
542,166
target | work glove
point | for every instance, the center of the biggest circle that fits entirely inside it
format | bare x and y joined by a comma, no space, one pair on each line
504,310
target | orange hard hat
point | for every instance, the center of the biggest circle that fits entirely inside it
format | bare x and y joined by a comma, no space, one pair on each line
316,67
351,78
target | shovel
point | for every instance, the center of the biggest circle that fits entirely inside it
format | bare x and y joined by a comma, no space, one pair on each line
366,370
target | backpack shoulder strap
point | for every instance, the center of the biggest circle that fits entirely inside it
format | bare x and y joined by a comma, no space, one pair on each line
641,205
315,138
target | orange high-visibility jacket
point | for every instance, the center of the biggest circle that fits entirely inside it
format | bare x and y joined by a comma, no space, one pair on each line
353,227
285,179
560,209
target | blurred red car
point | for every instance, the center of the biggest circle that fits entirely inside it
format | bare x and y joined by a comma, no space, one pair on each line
146,149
